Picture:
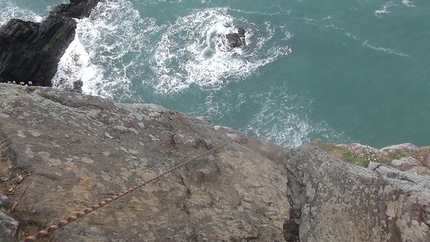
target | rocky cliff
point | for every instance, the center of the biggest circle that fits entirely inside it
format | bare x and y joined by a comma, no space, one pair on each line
30,52
62,152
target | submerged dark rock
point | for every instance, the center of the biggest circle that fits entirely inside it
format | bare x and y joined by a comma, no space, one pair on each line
30,52
232,40
236,40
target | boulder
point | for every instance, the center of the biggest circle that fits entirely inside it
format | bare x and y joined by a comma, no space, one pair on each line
30,52
232,40
236,40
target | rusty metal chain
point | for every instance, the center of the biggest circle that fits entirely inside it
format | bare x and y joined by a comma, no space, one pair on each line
78,215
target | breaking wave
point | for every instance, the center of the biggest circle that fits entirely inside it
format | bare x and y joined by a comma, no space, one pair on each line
10,10
117,49
190,51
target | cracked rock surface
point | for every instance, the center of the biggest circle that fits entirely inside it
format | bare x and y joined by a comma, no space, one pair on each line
336,201
74,151
62,152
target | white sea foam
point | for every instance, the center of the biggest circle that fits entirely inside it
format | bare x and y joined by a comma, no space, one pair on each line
390,4
408,3
283,123
122,48
116,48
190,52
279,116
383,49
288,126
9,11
383,10
106,54
287,129
76,65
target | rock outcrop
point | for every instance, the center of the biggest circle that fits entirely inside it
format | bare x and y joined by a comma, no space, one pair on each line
333,200
232,40
30,52
62,152
74,150
405,157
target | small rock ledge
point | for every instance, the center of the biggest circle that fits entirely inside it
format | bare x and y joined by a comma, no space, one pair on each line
332,200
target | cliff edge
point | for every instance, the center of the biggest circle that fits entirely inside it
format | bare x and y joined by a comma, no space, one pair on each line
62,152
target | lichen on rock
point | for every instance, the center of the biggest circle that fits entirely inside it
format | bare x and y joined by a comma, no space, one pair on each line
72,145
72,151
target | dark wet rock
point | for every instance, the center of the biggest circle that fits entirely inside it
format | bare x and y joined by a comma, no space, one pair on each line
76,8
77,86
64,151
232,40
30,52
236,40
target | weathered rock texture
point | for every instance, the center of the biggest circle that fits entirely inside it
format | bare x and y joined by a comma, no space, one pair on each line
405,157
62,152
30,52
8,225
337,201
74,151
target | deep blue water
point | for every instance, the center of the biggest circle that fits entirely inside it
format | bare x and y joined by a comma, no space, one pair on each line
340,71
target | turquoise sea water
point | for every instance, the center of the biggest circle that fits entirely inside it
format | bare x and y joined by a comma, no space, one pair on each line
341,71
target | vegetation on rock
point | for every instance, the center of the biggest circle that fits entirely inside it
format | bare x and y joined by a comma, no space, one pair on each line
362,155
